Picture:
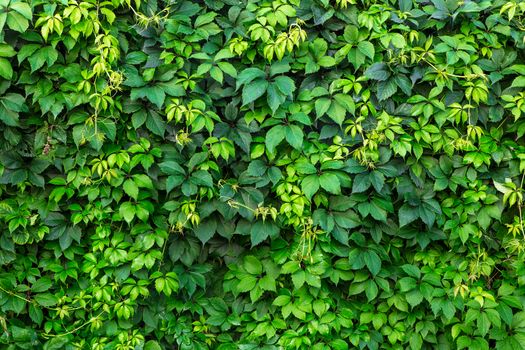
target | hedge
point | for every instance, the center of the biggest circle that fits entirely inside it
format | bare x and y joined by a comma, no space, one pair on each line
254,174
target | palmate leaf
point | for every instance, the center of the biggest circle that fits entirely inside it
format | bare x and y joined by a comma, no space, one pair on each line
163,184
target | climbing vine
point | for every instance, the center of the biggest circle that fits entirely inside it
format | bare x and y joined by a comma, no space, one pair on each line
287,174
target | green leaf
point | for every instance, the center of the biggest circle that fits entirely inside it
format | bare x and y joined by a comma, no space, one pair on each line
17,22
261,230
131,188
377,71
310,185
361,183
274,137
46,299
152,345
294,136
246,284
22,8
412,270
414,297
407,214
321,106
483,323
372,262
36,314
6,71
217,74
155,124
228,68
298,279
253,91
249,74
285,85
205,230
386,89
156,95
518,82
337,112
127,211
171,168
252,265
275,98
367,48
257,168
346,101
330,182
41,285
371,290
143,181
56,343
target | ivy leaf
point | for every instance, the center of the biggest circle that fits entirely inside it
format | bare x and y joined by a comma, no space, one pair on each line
310,185
330,182
156,95
274,137
321,106
127,211
131,188
386,89
246,284
254,90
361,183
248,75
17,21
372,262
261,230
152,345
414,297
205,230
285,85
6,71
337,113
257,168
275,97
228,68
252,265
407,214
377,71
46,299
367,48
155,123
294,136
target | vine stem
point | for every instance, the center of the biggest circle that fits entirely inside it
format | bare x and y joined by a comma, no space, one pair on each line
30,301
14,294
92,319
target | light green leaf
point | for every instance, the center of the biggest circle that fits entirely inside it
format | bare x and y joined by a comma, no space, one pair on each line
367,48
152,345
330,182
17,22
6,71
252,265
131,188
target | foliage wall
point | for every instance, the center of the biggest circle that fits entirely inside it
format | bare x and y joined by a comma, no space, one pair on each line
245,174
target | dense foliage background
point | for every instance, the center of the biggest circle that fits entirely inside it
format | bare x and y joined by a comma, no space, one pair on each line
288,174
